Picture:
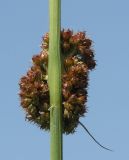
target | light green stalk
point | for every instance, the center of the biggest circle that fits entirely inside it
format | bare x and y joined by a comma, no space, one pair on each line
54,80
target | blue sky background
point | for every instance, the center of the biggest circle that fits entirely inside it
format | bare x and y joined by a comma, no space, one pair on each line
22,24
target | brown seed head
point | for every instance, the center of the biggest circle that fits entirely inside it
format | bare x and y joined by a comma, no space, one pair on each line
34,91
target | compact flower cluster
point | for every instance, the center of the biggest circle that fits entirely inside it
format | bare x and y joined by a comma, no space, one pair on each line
78,59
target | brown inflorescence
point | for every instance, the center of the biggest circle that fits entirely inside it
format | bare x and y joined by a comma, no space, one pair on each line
77,59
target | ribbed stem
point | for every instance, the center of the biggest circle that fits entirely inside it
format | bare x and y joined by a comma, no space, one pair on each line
54,80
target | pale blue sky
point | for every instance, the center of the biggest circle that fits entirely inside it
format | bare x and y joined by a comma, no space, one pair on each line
22,24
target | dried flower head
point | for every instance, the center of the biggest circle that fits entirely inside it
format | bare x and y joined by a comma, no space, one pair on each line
78,59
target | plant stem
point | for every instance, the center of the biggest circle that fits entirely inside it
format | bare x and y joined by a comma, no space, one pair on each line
54,80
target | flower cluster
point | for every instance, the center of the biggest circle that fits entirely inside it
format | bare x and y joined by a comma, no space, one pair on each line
78,59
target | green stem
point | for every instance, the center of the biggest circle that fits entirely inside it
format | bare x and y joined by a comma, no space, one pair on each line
54,80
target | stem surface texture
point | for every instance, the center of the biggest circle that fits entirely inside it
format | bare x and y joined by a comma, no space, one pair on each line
54,80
